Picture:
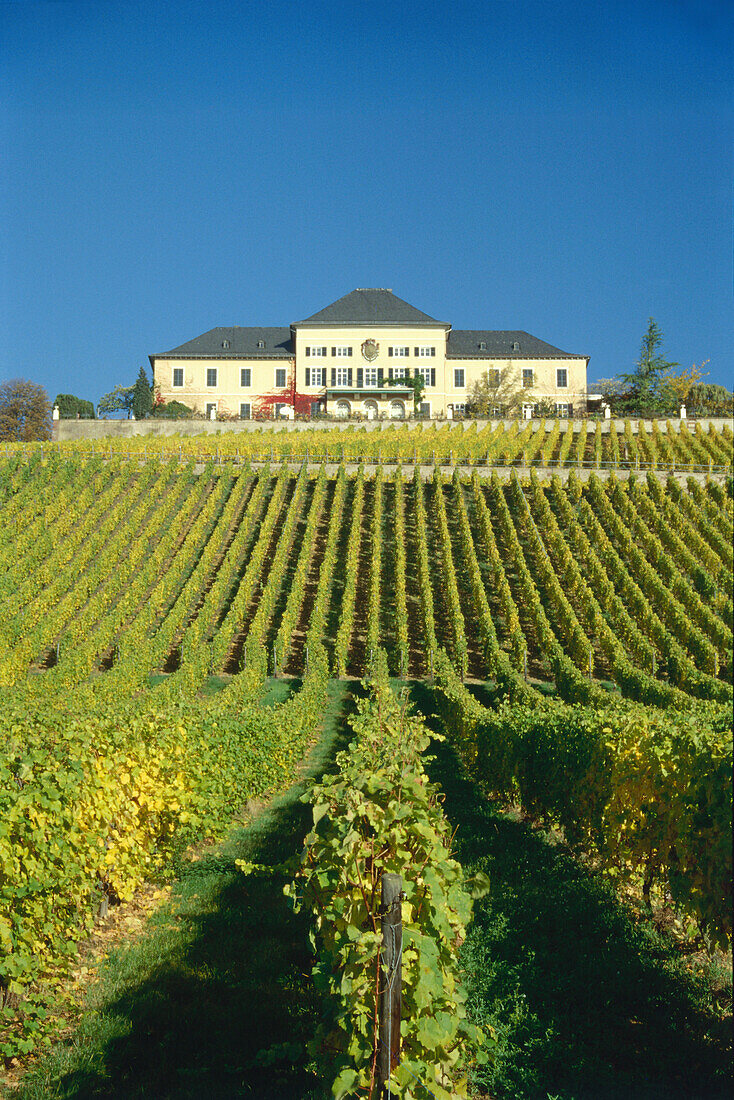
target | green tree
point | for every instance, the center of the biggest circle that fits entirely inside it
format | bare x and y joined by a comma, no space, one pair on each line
118,400
69,406
417,384
710,399
644,388
142,395
25,411
171,410
496,393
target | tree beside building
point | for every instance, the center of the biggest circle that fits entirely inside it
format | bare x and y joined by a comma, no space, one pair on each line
74,408
25,411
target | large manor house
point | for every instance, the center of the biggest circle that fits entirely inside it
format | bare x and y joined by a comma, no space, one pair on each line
349,360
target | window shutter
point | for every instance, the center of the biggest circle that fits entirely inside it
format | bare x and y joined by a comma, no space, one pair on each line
333,377
360,377
433,351
349,353
433,376
381,376
417,351
389,351
308,376
390,373
333,351
570,410
349,376
308,351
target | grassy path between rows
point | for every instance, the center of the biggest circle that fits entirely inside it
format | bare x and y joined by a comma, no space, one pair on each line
218,977
586,1003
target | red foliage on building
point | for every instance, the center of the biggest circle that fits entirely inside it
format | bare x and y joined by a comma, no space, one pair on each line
265,404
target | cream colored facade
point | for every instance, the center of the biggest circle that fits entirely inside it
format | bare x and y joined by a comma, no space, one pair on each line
340,361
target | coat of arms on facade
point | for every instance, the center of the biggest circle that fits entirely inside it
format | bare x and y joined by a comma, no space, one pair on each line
370,350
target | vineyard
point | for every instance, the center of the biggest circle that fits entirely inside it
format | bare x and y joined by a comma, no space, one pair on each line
576,636
623,445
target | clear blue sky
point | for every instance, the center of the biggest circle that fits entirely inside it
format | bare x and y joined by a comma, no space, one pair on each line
559,167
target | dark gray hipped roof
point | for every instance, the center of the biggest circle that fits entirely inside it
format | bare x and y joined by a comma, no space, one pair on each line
370,307
466,344
242,343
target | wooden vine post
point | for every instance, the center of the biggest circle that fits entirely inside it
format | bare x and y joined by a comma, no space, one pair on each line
390,991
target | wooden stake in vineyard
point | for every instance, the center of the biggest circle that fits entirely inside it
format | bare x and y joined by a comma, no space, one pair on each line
391,989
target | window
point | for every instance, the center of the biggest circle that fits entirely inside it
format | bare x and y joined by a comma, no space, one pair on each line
211,376
370,376
527,377
428,374
459,382
425,409
316,353
482,345
459,408
245,410
562,408
515,346
178,376
343,352
315,376
280,378
562,378
396,373
279,406
425,351
342,376
493,377
495,412
261,343
246,377
211,410
225,343
400,352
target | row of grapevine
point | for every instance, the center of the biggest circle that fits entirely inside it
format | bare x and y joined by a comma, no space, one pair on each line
647,792
589,443
344,634
571,583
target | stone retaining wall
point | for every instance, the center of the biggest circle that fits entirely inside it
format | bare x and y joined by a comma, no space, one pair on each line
127,429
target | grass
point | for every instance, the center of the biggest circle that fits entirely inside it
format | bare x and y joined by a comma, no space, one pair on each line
586,1003
219,978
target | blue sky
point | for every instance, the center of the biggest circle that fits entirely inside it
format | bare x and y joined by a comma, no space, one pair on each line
559,167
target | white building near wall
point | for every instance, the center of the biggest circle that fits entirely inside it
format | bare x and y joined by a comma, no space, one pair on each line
345,361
